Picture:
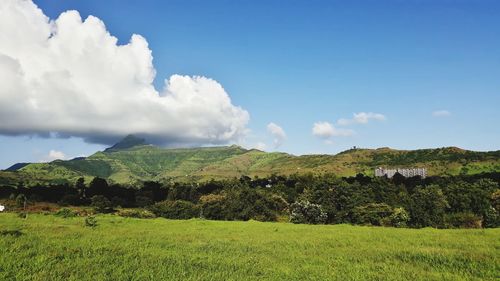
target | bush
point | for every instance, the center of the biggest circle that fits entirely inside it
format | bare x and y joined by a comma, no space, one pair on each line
213,206
306,212
178,209
65,213
134,213
491,218
399,217
21,200
14,233
242,204
428,206
463,220
69,199
118,202
90,221
101,204
143,201
278,203
372,213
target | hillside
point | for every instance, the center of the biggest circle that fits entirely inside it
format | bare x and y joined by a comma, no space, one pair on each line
133,161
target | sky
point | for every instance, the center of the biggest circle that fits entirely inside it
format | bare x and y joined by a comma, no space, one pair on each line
301,77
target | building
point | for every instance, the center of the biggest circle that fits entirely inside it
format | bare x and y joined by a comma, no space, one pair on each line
407,173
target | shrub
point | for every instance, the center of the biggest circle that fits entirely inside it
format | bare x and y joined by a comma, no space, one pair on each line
241,204
90,221
178,209
65,213
491,218
372,213
143,201
35,198
134,213
278,203
101,204
428,206
118,202
213,206
306,212
399,217
69,199
21,200
463,220
14,233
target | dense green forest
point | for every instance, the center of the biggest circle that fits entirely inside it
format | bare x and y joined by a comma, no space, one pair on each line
444,202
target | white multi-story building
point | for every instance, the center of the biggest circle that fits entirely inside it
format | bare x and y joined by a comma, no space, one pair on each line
407,173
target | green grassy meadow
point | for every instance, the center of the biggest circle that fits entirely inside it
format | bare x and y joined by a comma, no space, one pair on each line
54,248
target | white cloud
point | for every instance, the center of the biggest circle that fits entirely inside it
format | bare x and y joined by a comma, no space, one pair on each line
54,155
326,130
70,78
361,118
278,134
441,113
260,146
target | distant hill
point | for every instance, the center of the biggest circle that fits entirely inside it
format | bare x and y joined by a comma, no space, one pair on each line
128,142
132,160
16,166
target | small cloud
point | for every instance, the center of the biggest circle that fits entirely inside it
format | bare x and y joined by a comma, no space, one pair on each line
441,113
260,146
361,118
329,142
278,133
326,130
54,155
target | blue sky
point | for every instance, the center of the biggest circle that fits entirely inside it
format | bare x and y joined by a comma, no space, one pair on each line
297,63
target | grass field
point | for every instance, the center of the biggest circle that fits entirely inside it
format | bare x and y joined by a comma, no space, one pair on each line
53,248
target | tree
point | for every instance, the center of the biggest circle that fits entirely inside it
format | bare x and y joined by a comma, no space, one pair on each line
372,213
213,206
80,186
399,217
178,209
463,220
428,206
98,186
491,218
21,201
306,212
101,204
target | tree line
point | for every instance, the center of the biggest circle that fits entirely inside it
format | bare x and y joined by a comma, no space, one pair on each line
442,202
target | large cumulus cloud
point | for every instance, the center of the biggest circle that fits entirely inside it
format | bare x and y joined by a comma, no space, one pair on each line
69,77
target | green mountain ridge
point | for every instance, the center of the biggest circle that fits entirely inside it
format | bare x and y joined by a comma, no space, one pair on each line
132,160
127,142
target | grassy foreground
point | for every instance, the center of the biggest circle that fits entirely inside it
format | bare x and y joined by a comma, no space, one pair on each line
52,248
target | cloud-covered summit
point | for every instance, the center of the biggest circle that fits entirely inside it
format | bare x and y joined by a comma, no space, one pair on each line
69,77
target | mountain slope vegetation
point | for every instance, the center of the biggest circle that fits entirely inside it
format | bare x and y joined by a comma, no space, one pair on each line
132,160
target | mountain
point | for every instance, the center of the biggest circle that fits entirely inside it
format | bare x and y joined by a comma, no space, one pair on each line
16,166
127,142
132,160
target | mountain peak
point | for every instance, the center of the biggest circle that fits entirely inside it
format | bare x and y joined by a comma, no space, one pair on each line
127,142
